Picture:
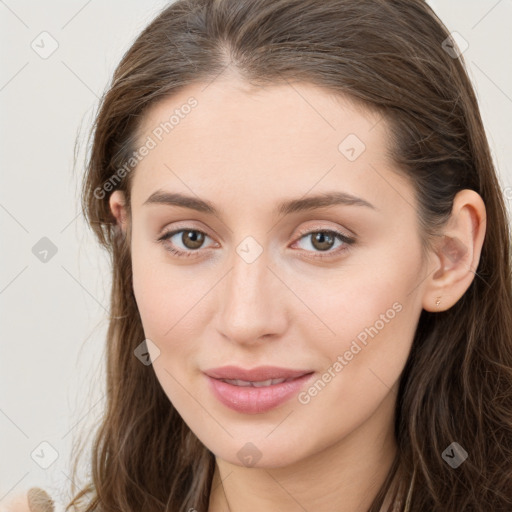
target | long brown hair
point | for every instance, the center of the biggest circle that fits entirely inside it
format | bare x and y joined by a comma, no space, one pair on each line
389,56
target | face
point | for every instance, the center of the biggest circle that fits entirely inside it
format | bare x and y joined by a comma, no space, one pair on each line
251,272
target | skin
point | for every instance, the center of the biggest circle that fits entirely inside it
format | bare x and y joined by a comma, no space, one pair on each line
17,503
245,150
34,500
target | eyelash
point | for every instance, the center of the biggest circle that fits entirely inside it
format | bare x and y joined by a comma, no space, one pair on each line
318,255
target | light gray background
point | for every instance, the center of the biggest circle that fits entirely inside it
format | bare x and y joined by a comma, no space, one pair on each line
53,314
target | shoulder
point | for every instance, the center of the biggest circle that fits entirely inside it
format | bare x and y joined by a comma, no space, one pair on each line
33,500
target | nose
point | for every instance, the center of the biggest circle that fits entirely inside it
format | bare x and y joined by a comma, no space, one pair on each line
252,302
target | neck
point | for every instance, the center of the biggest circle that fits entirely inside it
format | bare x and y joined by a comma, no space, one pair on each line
341,477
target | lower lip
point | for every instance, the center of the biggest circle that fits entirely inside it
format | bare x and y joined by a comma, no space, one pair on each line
252,400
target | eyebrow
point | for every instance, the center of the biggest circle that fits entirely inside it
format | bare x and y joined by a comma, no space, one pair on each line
327,199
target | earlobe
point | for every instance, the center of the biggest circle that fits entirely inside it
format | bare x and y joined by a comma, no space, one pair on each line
117,203
457,254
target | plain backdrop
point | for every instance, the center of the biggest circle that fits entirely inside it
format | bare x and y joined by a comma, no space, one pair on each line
54,278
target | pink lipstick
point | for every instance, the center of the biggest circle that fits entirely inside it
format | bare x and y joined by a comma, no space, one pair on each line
256,390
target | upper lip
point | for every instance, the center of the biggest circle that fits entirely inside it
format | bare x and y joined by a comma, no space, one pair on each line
260,373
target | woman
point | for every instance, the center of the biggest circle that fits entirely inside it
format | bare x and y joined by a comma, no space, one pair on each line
311,297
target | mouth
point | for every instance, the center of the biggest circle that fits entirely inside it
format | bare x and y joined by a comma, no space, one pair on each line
255,384
258,374
257,390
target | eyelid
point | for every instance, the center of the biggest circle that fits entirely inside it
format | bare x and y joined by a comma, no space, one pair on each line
315,228
181,226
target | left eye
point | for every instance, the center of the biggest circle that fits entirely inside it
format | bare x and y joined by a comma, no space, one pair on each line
322,241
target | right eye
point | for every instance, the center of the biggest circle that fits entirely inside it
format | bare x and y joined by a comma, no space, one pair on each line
191,239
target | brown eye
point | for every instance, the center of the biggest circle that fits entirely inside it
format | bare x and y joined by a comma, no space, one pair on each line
322,240
183,242
326,241
192,239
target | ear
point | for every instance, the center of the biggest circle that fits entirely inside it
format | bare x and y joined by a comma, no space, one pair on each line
117,203
457,254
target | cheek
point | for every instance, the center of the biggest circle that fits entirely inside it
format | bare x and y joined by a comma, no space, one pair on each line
362,362
156,291
171,300
162,300
365,317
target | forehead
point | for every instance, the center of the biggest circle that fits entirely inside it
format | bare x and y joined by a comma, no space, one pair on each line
245,145
230,110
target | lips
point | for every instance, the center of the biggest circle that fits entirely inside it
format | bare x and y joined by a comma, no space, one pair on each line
259,374
256,390
255,384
